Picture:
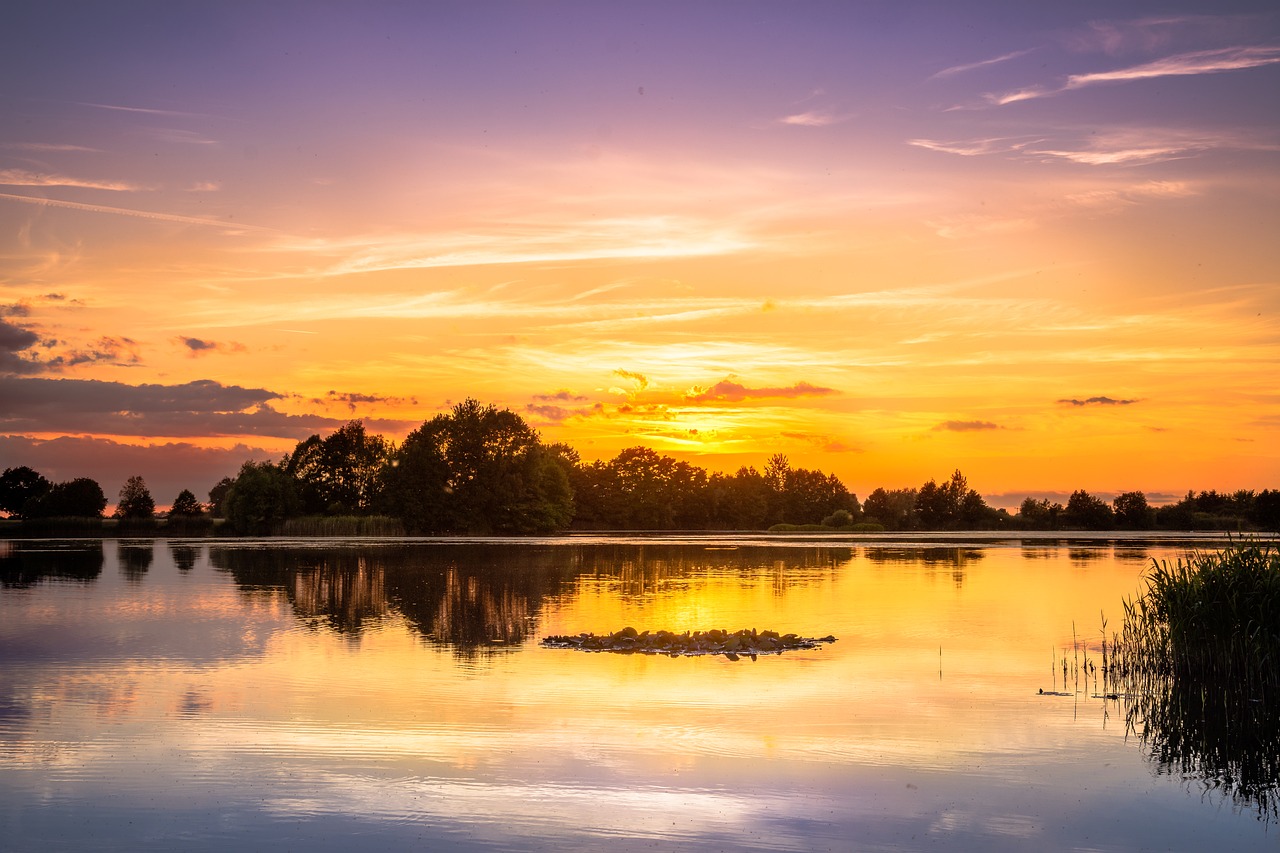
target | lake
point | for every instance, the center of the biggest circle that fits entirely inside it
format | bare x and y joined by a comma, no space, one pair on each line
323,695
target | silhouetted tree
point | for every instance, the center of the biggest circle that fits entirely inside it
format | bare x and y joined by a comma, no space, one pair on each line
185,505
1266,509
1040,514
135,500
218,497
894,508
341,473
81,498
19,485
1133,512
1091,513
261,498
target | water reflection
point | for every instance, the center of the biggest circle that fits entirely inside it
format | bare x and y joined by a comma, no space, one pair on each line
184,556
24,564
1222,738
135,559
954,560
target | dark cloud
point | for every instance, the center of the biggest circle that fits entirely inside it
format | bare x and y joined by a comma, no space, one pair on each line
13,340
353,399
564,395
728,391
15,310
167,468
200,408
198,346
1098,401
554,414
966,426
121,352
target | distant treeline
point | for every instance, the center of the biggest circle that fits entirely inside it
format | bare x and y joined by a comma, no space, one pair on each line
480,469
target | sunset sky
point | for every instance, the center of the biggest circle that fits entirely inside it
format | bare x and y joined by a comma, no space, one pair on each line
1038,242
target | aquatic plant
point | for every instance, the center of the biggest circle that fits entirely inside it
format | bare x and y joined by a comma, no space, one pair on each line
1198,664
731,644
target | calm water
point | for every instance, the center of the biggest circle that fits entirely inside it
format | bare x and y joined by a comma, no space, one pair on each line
323,695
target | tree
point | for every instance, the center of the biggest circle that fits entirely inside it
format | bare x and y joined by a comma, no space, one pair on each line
1132,511
78,498
19,485
185,505
135,500
261,498
478,469
1040,514
218,497
1091,513
894,508
340,474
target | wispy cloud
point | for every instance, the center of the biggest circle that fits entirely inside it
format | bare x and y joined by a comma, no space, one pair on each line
47,147
198,346
811,118
971,66
1180,65
144,110
966,426
977,147
139,214
23,178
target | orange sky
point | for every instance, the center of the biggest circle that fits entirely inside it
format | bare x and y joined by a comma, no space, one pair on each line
1039,248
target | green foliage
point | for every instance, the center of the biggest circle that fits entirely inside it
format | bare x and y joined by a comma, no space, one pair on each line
1200,655
135,500
260,500
340,473
478,469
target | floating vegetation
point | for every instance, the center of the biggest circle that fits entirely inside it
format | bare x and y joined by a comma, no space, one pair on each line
732,645
1198,665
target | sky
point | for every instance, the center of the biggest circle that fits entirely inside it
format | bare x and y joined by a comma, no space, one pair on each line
1035,242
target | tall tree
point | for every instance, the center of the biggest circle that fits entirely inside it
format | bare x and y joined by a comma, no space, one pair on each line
135,500
79,498
262,497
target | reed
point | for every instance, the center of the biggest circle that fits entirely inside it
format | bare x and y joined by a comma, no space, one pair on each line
343,525
1198,662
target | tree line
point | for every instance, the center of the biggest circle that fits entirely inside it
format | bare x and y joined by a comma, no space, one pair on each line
479,470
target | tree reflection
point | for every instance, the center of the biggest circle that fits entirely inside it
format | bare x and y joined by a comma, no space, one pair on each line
483,599
184,556
135,560
954,560
24,564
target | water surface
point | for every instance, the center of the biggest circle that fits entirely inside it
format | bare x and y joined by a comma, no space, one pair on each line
162,694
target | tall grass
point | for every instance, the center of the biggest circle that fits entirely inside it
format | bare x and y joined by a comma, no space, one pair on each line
1198,661
343,525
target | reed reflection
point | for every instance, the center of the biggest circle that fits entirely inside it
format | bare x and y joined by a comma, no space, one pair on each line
24,564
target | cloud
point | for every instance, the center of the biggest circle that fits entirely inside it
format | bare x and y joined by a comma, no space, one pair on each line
139,214
642,381
977,147
564,395
203,408
811,118
552,414
47,146
119,351
23,178
15,339
1179,65
825,443
198,346
353,398
728,391
970,66
1098,401
167,468
966,426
